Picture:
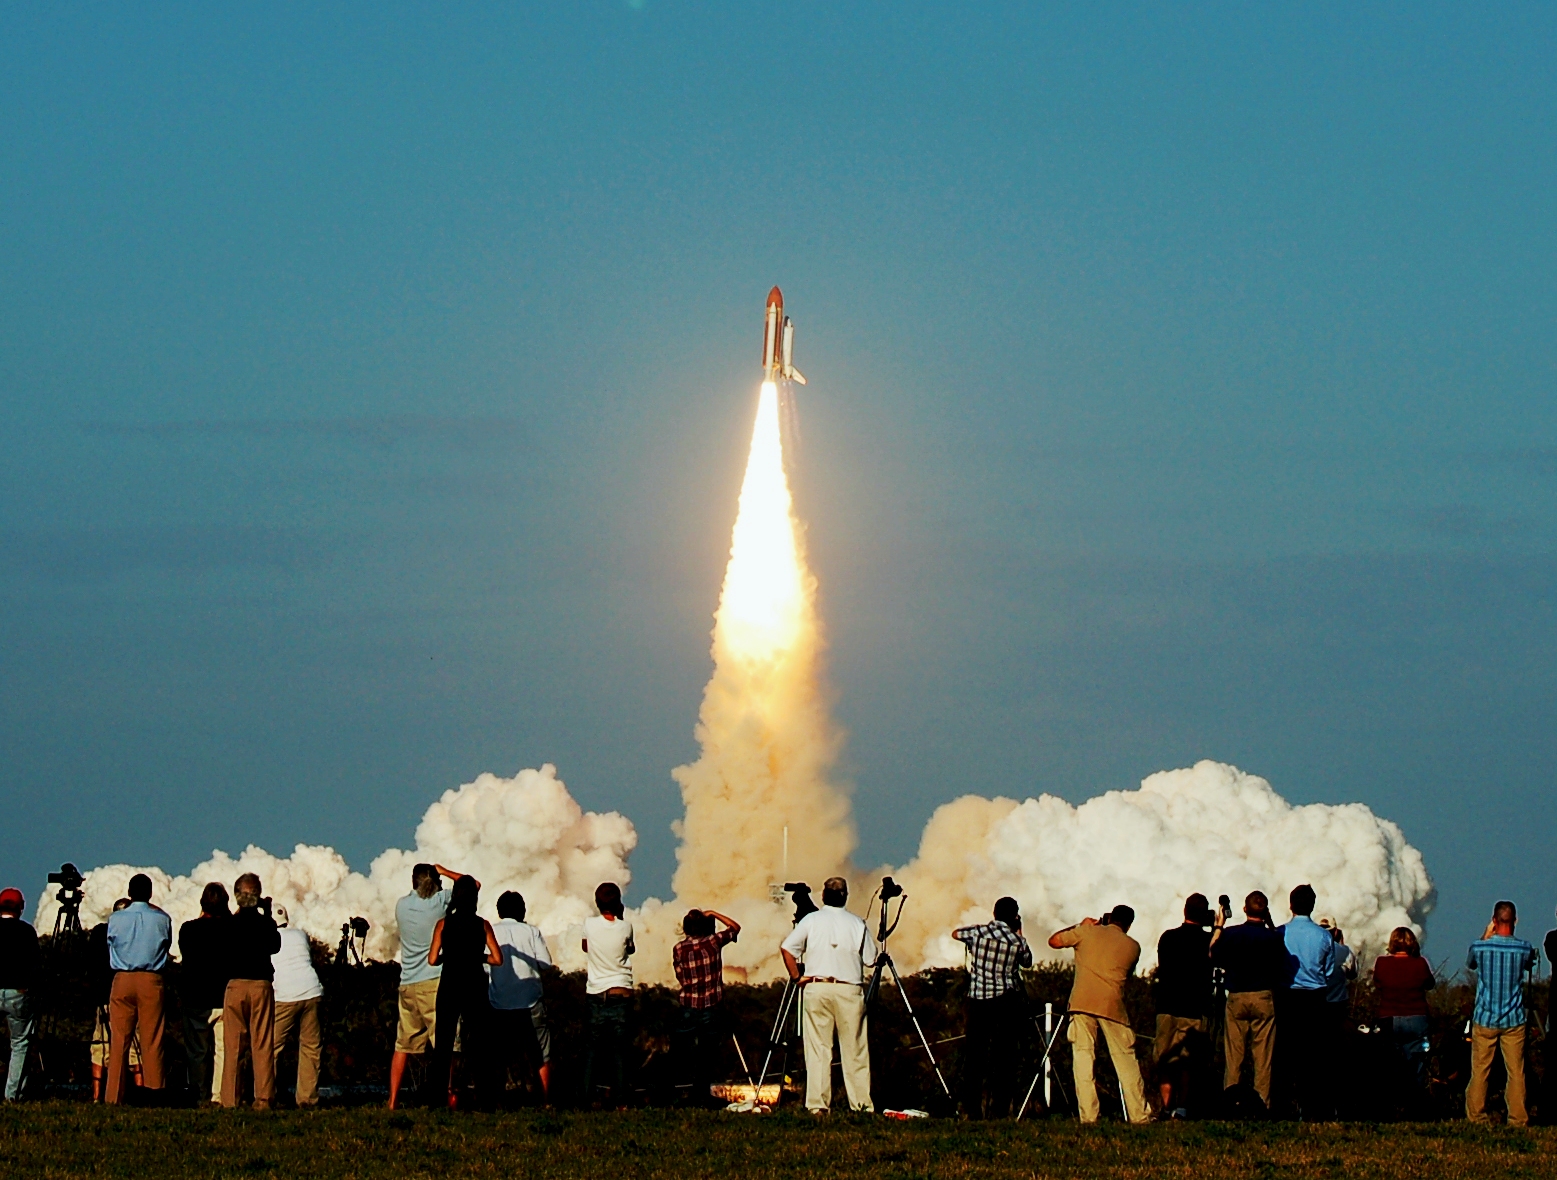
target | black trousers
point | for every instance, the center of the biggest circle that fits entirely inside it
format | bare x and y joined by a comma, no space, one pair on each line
1307,1026
991,1052
464,1011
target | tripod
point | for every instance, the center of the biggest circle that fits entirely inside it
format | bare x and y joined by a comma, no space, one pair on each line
779,1037
884,962
1048,1032
67,920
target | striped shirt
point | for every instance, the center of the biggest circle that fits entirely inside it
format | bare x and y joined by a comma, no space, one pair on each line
1500,963
998,954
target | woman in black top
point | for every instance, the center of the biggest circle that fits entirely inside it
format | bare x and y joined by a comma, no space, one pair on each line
463,945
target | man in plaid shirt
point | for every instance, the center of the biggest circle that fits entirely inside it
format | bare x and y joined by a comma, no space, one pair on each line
1501,963
700,970
997,1007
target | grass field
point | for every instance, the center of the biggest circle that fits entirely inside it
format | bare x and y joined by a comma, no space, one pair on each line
65,1139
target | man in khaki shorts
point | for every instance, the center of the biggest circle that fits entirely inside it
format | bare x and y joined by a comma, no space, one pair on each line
1182,990
416,914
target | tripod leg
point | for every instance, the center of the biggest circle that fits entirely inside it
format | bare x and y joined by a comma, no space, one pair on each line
791,989
923,1040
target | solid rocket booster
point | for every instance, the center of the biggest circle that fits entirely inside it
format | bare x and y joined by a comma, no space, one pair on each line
778,343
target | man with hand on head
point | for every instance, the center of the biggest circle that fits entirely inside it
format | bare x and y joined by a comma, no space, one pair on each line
1500,962
997,1009
416,914
1106,956
699,962
249,1003
18,974
139,937
835,947
1253,959
297,991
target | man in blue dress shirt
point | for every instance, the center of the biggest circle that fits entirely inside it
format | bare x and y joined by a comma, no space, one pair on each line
1500,962
138,940
1310,964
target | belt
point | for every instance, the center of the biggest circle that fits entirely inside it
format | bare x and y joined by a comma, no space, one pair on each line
830,979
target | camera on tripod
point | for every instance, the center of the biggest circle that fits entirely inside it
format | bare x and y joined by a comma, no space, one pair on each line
800,893
890,889
354,941
69,879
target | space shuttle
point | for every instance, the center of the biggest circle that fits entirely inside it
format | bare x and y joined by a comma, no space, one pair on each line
778,343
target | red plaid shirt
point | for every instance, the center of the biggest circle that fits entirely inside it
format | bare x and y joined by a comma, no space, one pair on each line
700,968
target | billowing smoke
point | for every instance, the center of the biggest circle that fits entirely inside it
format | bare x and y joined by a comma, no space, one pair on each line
525,833
767,742
1210,829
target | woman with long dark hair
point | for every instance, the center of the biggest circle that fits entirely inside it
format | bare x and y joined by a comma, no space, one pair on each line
463,944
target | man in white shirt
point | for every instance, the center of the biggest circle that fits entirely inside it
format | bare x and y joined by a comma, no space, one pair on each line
608,944
515,987
297,1006
835,948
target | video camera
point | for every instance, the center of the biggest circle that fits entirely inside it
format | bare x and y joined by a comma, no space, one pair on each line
1225,903
800,894
69,878
890,889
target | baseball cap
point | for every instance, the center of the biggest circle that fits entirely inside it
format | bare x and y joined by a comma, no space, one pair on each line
11,901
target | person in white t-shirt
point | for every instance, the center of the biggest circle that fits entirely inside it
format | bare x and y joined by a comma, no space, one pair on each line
515,987
298,992
608,944
835,948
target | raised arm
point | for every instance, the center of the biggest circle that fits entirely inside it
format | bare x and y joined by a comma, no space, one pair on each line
734,926
445,871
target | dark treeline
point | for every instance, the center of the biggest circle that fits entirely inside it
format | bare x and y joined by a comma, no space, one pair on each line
359,1011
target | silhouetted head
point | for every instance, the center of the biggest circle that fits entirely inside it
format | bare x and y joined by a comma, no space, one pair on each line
1257,906
464,896
1504,914
139,888
608,898
213,900
12,903
511,905
697,924
1007,911
425,880
1301,901
122,904
1197,910
835,891
1121,916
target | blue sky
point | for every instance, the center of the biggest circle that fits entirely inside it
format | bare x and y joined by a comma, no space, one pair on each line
375,387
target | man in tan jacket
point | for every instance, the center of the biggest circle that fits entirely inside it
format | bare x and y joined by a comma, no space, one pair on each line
1106,956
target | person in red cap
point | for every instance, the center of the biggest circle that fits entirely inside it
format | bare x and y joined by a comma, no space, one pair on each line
18,973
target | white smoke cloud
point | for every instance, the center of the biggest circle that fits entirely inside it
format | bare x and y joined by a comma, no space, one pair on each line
1209,828
525,833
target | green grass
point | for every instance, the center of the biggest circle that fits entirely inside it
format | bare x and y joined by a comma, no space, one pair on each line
63,1139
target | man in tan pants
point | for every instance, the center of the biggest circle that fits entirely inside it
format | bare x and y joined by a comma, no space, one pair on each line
1106,956
1253,957
139,937
835,948
249,1010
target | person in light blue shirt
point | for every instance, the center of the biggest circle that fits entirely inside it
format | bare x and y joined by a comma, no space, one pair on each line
1306,1013
416,914
1501,963
138,940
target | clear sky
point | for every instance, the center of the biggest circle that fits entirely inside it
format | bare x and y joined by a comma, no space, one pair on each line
375,385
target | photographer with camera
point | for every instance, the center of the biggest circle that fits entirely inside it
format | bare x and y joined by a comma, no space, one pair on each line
1106,956
297,992
997,1008
699,962
1182,991
1501,963
202,952
19,960
249,1002
139,937
1253,959
835,947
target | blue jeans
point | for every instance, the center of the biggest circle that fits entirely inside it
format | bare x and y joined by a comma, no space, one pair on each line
695,1045
1410,1036
16,1007
609,1036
